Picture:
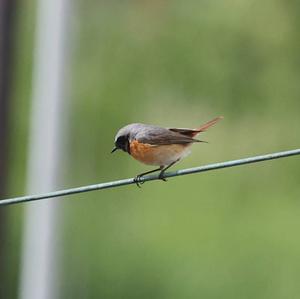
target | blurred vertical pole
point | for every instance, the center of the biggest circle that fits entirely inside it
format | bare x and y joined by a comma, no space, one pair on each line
39,264
7,10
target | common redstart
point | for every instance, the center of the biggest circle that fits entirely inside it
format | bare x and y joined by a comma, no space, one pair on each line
153,145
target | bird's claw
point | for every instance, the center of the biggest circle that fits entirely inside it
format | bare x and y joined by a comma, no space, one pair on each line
161,177
138,181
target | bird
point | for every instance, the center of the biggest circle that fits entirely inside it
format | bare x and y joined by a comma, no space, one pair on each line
158,146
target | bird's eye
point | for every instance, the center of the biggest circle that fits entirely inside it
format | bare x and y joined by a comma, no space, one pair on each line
122,143
121,140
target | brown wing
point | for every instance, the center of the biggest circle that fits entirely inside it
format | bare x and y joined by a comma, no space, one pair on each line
162,136
186,132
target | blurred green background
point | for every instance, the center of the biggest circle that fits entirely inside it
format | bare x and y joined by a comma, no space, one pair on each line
230,233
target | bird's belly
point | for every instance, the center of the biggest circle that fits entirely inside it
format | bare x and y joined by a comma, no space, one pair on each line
160,155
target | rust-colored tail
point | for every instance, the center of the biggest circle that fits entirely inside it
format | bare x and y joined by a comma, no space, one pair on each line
194,132
208,124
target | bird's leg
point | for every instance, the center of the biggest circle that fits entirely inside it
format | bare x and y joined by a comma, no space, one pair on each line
138,177
161,174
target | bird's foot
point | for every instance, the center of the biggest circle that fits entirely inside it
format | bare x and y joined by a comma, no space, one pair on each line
161,177
138,180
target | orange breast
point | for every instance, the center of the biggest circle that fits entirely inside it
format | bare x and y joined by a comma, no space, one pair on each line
157,154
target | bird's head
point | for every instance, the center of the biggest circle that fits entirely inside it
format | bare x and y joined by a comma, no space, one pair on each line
122,140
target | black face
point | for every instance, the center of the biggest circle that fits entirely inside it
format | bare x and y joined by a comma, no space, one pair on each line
123,143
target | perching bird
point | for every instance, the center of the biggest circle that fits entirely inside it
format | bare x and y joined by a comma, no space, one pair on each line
153,145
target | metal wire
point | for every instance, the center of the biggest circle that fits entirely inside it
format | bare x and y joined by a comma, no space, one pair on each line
113,184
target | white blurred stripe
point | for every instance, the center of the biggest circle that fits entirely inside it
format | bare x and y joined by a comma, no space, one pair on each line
39,257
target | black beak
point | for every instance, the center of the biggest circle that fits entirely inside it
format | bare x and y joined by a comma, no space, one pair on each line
114,149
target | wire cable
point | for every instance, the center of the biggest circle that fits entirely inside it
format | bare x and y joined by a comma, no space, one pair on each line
124,182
